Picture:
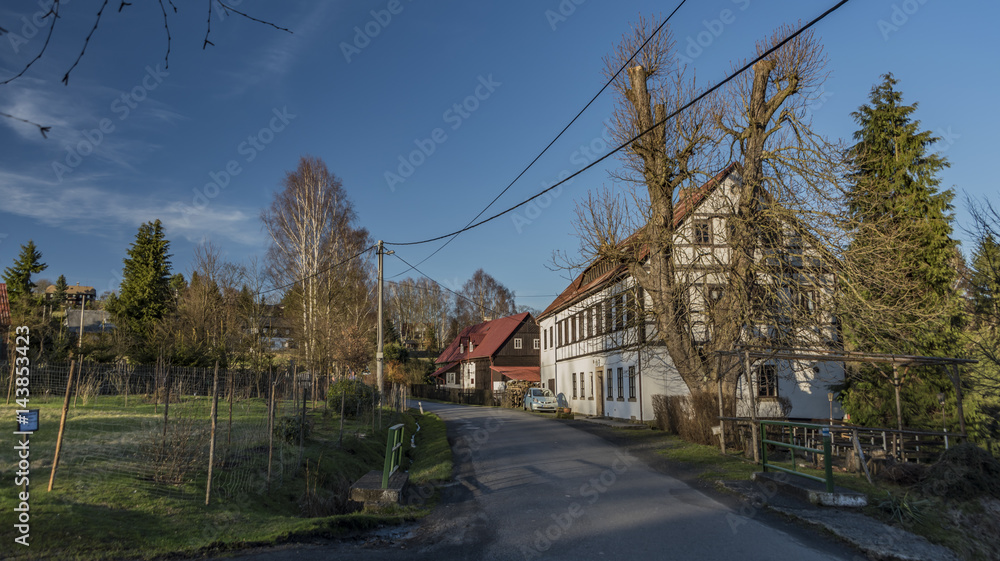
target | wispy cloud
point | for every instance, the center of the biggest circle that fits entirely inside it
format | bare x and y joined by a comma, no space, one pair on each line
84,208
276,56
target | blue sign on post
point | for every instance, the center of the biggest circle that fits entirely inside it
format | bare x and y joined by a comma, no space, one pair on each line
27,420
826,432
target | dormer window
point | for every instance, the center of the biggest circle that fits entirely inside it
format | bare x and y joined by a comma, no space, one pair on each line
472,346
461,348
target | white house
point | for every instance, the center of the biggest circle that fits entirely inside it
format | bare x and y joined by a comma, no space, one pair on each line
600,353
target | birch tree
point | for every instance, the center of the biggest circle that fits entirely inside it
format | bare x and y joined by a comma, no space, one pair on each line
311,223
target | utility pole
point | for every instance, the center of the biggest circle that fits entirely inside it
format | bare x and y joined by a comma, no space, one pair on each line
378,353
83,304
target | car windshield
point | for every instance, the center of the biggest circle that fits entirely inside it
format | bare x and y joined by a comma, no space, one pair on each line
540,392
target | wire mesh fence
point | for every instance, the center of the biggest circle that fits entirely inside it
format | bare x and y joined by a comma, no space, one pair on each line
149,429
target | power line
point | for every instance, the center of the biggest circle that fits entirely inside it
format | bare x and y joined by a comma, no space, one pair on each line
638,136
558,136
317,273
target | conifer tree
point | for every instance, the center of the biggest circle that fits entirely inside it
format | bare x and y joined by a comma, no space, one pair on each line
984,283
18,277
144,296
59,296
903,255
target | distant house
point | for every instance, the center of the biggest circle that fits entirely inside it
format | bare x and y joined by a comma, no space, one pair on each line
4,320
490,354
75,294
94,321
600,353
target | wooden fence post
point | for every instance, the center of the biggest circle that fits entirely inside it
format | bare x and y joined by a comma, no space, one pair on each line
270,427
62,425
232,390
211,445
166,406
958,400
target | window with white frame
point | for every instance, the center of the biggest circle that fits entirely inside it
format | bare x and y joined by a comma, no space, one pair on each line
767,381
517,342
536,346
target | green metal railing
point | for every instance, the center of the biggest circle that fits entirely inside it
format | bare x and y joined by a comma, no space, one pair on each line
393,453
826,451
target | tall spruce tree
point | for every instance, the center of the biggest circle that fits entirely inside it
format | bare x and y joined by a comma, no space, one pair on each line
903,259
18,277
144,296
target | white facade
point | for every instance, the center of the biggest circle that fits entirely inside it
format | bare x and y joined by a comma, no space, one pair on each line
602,343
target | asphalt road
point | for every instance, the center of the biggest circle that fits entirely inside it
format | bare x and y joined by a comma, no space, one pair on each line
528,487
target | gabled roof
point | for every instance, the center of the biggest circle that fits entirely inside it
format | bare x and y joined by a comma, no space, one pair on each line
486,339
443,369
688,200
4,306
72,289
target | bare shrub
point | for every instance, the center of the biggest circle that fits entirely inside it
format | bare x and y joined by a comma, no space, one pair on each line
325,496
691,417
175,458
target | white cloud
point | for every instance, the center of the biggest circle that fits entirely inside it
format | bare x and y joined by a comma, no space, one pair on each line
86,209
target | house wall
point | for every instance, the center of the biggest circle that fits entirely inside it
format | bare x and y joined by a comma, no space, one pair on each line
802,385
591,346
527,355
578,339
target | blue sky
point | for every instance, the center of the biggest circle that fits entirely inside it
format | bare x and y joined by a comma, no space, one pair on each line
202,145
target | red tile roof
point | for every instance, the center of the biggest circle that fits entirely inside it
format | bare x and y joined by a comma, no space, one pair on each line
443,369
4,306
486,339
528,373
688,200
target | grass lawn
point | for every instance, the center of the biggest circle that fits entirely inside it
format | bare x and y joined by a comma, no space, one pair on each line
123,490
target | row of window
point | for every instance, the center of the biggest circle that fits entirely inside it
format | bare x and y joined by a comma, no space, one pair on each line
808,300
580,384
518,344
702,234
612,314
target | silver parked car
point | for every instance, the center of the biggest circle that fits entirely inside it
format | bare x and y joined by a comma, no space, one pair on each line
539,399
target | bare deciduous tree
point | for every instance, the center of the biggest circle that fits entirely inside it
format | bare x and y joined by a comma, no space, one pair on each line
483,298
785,170
313,234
